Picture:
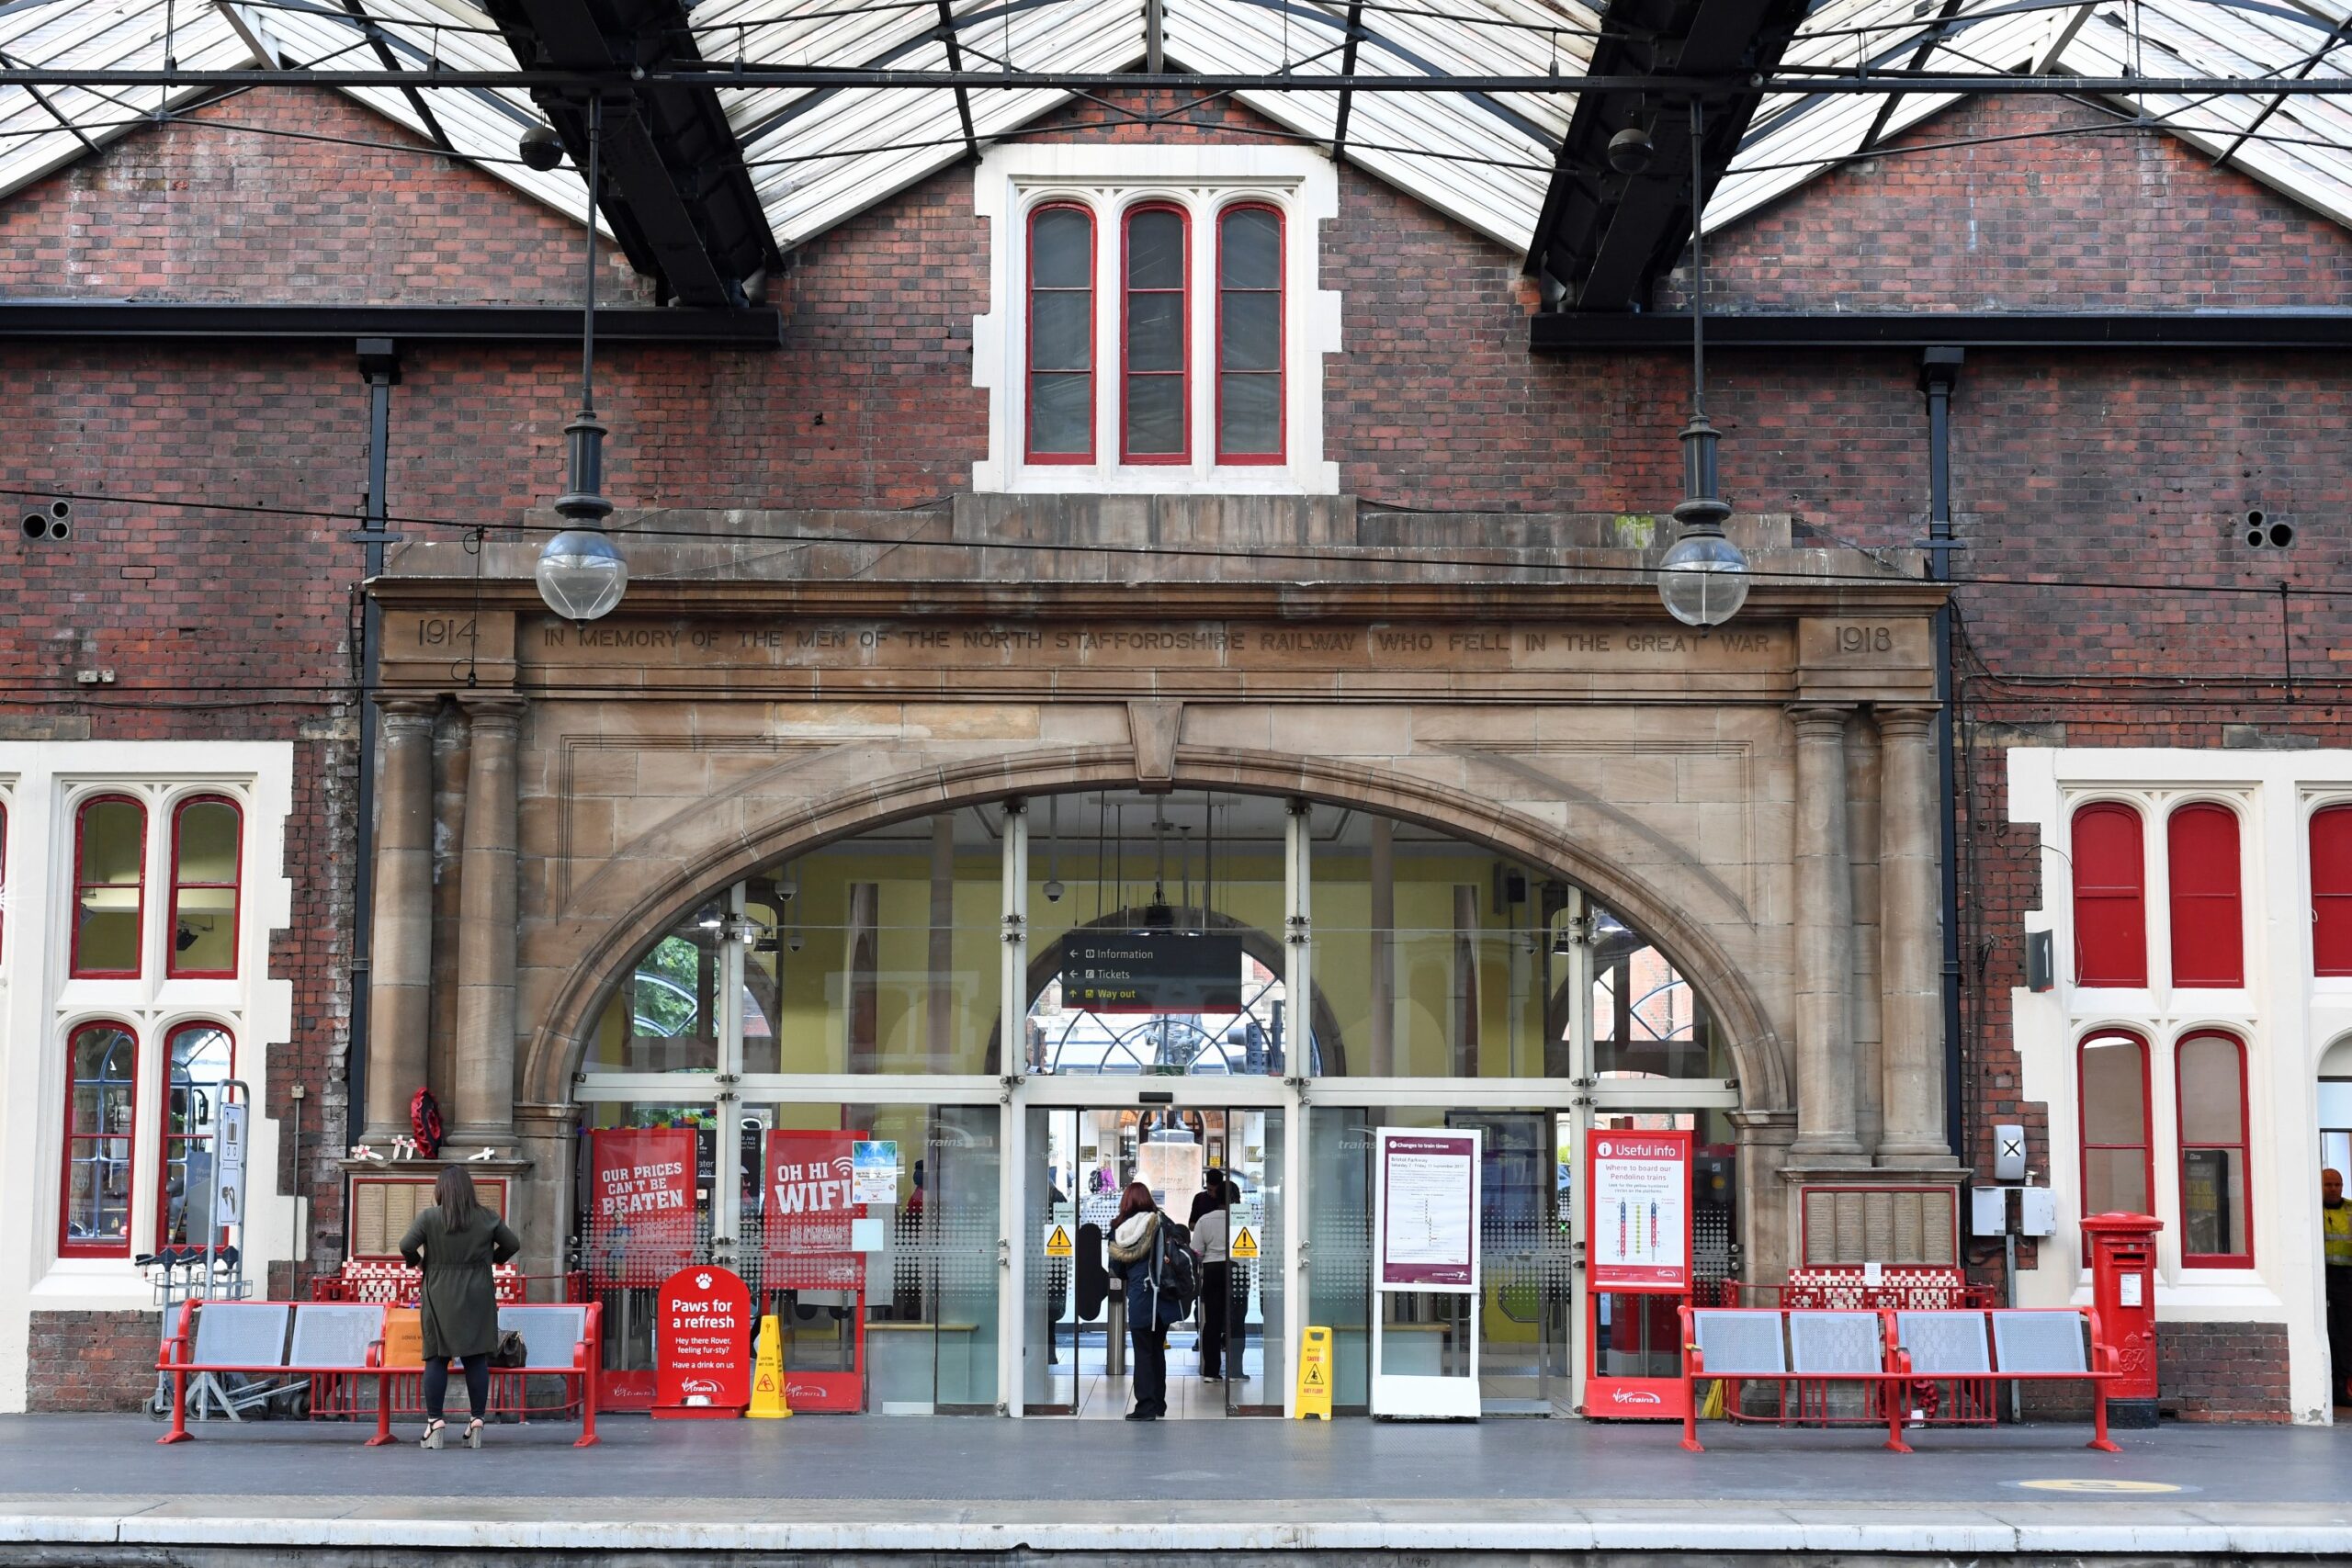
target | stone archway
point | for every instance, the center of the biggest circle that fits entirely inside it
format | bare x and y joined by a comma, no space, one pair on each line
672,875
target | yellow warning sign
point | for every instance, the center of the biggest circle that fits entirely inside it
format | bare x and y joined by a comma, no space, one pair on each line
1244,1244
1058,1243
767,1375
1314,1374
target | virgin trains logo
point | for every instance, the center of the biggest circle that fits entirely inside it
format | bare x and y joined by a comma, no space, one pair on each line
1634,1396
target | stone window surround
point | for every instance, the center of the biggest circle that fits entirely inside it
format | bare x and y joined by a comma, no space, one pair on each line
1014,180
42,784
2286,1018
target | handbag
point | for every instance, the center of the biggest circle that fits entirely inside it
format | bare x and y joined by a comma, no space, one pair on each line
511,1352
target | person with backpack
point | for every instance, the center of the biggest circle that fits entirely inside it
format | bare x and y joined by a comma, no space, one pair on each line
1159,1278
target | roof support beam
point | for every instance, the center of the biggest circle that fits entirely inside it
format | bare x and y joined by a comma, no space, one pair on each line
955,63
1605,236
2254,332
137,320
2343,30
1347,68
680,202
384,52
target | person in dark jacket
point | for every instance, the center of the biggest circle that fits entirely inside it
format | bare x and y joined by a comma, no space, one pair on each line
457,1242
1135,1258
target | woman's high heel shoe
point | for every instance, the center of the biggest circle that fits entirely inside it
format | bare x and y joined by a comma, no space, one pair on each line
473,1433
432,1439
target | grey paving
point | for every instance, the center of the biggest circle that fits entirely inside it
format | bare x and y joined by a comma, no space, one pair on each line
875,1484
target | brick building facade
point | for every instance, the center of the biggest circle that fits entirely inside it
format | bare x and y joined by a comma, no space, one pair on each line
2104,497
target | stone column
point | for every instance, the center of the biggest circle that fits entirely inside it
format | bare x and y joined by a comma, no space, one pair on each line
400,976
1824,942
547,1135
1912,920
486,925
1864,1003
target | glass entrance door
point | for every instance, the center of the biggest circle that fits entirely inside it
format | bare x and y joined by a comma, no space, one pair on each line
1227,1356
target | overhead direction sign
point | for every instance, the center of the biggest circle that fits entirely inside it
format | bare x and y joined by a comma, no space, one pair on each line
1152,972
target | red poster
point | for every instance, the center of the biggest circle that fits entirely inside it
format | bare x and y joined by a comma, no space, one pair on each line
702,1345
806,1189
640,1203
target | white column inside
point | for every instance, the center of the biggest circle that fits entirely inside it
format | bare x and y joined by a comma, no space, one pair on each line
1013,1174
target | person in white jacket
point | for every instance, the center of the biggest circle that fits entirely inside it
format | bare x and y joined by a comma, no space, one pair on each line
1134,1256
1211,1235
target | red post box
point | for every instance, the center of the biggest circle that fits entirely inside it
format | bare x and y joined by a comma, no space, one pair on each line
2124,1290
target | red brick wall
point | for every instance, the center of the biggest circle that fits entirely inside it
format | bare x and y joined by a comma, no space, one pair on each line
2222,1371
218,207
90,1361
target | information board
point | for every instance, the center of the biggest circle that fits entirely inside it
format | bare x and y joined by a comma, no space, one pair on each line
1637,1213
702,1343
1151,972
873,1171
1429,1209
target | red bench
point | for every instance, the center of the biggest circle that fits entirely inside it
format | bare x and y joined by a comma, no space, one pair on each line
344,1340
1892,1356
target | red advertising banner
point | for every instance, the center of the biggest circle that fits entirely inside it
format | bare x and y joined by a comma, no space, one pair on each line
640,1203
702,1343
806,1189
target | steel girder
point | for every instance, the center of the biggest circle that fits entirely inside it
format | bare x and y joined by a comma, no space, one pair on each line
1604,237
677,193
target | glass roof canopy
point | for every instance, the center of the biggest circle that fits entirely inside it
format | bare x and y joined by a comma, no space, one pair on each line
817,156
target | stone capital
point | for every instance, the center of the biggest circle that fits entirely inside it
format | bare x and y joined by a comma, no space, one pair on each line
1905,720
408,709
1818,721
492,710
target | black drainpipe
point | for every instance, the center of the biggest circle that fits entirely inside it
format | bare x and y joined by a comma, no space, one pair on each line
380,362
1938,373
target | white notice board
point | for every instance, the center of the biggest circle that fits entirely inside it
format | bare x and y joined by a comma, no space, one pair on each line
1425,1203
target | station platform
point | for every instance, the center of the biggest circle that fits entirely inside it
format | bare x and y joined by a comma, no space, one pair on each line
853,1490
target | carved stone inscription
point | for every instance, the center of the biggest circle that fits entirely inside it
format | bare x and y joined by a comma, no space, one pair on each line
557,649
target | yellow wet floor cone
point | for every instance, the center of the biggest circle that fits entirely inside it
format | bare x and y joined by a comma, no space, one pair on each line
767,1374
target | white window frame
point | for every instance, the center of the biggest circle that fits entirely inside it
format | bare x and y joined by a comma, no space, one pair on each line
1012,181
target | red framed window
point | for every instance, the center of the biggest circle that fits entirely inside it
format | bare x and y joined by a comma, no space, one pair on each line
2118,1175
207,836
198,1061
1061,334
2208,928
1250,406
101,1103
2216,1223
110,887
2332,890
1155,372
2110,907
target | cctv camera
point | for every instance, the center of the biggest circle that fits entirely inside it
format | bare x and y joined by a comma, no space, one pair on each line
1631,150
542,149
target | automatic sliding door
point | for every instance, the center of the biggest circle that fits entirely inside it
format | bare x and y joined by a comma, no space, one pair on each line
1256,1359
1049,1324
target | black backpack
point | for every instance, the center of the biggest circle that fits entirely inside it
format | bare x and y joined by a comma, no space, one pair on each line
1176,1273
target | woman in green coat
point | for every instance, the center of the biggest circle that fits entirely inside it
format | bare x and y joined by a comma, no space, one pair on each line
457,1242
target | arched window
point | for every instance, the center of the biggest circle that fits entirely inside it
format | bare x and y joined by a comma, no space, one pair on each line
1061,334
2216,1226
110,887
2208,928
206,834
2332,891
1250,334
2118,1177
101,1094
1155,397
201,1059
2111,916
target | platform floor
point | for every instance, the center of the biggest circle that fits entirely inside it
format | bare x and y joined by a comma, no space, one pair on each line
877,1485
